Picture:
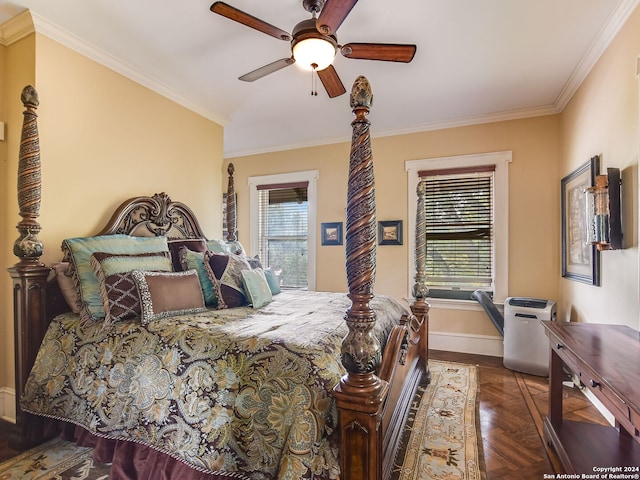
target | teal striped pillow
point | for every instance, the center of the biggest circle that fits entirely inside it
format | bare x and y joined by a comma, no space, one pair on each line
78,252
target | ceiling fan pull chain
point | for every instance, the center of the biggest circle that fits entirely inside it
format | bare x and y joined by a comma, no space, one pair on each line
314,80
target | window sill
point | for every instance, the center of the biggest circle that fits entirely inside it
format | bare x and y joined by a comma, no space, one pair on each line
451,304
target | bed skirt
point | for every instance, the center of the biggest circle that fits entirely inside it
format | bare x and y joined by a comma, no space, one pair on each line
130,460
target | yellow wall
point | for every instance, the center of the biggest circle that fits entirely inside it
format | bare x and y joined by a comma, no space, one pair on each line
533,204
602,119
103,139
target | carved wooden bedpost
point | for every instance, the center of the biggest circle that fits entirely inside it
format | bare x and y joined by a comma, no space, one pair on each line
231,207
420,307
29,275
361,393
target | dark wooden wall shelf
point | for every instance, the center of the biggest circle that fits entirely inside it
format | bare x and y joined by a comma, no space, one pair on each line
606,359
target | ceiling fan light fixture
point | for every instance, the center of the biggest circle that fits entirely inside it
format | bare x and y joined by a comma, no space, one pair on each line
314,53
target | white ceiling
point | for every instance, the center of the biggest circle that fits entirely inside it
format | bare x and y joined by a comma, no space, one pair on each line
476,60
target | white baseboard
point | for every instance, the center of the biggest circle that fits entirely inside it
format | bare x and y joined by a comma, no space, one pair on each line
465,343
8,404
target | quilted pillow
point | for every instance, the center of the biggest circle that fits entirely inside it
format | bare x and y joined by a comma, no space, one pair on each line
119,293
256,287
163,294
176,244
78,251
191,260
225,270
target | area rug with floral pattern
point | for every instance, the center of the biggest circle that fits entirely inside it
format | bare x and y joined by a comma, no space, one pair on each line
441,440
54,460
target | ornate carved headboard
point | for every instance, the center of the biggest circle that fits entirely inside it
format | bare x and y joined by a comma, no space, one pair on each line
154,216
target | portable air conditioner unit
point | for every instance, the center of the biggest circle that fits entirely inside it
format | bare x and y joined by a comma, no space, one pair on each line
526,346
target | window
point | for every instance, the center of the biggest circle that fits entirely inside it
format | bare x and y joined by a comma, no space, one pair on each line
283,232
282,226
467,229
459,236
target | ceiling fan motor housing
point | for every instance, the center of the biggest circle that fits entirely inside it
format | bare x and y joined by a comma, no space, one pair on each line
306,30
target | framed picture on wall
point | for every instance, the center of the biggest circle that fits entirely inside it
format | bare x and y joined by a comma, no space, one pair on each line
331,233
580,260
390,232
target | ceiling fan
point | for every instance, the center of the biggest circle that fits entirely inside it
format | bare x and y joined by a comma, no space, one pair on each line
314,43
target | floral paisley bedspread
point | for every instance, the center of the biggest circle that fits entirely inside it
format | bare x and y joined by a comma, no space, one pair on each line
241,391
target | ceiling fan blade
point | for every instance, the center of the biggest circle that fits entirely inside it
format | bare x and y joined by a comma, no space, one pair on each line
239,16
331,81
333,14
388,52
267,69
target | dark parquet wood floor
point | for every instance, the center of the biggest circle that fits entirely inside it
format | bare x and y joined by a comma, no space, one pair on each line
512,406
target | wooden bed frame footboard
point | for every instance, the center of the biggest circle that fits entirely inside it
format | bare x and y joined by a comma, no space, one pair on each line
373,407
373,398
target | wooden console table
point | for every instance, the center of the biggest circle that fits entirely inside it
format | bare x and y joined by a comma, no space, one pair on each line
606,359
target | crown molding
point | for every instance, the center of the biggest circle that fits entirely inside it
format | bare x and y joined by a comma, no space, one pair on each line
602,41
28,22
16,28
417,128
54,32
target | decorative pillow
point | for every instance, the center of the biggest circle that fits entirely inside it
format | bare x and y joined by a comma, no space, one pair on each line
256,287
191,260
222,246
272,280
64,276
119,293
78,251
163,294
226,270
193,244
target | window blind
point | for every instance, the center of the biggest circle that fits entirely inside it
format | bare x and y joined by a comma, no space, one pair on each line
459,234
283,232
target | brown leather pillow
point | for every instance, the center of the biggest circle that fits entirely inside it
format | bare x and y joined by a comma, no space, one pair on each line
163,294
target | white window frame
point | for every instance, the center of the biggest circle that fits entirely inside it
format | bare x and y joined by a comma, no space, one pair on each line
310,176
501,211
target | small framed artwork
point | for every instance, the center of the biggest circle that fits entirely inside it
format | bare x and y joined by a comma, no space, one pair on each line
390,232
331,233
580,260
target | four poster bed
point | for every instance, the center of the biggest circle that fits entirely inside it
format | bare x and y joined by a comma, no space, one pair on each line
287,387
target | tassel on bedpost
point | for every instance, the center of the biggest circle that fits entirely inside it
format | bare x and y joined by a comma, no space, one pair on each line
231,206
361,393
29,276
